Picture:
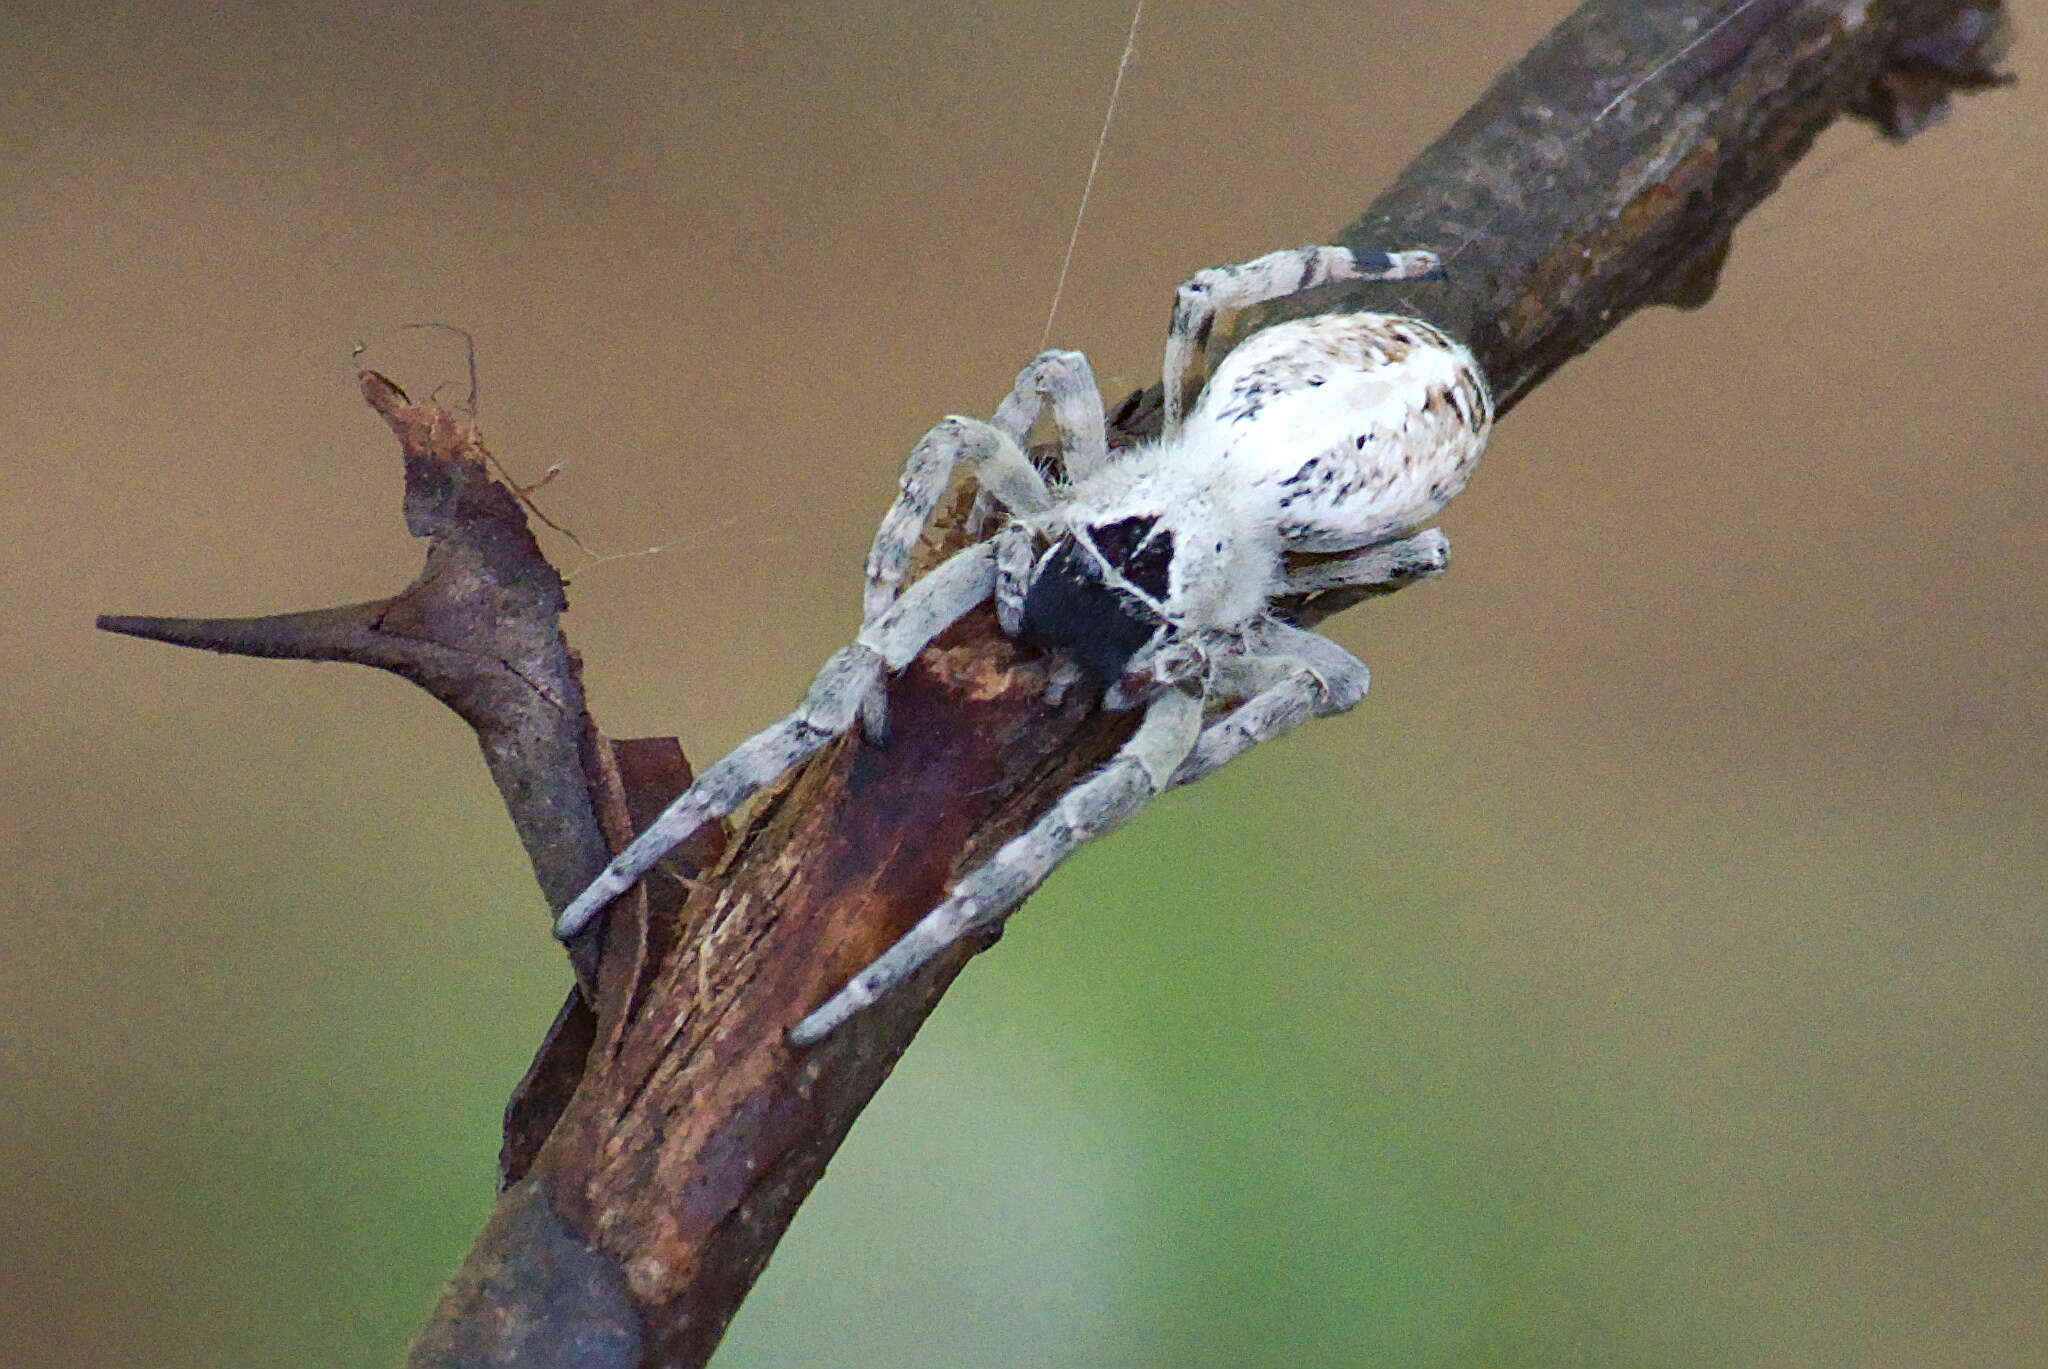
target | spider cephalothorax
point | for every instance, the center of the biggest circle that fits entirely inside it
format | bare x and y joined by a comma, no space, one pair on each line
1155,570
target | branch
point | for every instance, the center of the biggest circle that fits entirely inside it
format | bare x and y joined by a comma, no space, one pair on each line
666,1133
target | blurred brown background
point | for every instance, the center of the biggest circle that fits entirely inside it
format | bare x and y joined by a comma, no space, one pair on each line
1649,972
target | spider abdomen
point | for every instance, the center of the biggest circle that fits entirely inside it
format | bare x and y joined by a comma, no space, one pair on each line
1345,430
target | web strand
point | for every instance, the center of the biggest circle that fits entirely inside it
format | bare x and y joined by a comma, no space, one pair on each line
1088,187
1674,58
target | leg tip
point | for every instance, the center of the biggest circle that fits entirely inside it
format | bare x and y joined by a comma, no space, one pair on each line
874,716
1417,264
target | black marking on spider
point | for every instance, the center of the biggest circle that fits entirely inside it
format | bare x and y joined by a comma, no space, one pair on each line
1140,549
1071,608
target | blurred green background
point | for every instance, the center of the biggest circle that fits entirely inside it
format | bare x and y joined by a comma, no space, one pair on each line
1650,972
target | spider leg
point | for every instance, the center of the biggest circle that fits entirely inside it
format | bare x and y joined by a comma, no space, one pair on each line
1002,470
1207,293
851,676
1000,467
1289,675
1065,379
1390,563
932,605
1016,550
1063,675
1106,799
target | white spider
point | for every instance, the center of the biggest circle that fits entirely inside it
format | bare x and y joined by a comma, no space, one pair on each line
1155,570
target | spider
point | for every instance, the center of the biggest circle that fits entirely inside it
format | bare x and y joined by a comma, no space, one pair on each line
1154,570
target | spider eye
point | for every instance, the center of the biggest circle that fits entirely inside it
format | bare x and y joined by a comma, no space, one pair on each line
1140,550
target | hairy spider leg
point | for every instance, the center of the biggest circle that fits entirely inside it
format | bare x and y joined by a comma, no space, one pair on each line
1273,276
1065,380
894,629
1287,676
851,676
1067,383
1107,799
1000,468
1390,563
1003,472
1016,547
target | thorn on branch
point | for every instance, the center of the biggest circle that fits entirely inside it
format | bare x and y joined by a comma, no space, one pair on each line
479,629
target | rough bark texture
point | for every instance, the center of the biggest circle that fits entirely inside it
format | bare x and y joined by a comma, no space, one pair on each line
666,1133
